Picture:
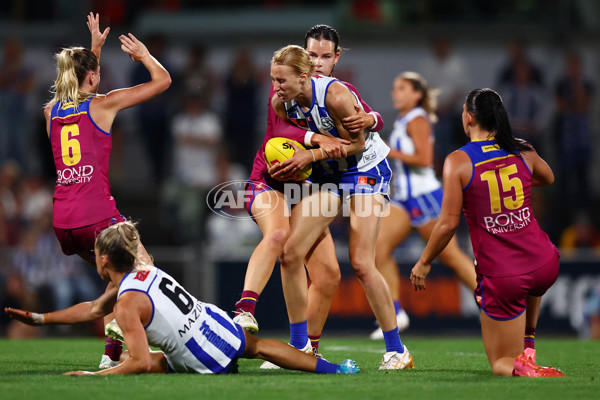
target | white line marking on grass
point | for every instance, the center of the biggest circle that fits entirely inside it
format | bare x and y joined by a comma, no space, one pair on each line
461,353
348,348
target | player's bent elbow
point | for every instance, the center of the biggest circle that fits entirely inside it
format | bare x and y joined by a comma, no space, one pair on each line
166,83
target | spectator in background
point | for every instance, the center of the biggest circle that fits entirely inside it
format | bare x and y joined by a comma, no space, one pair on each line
197,75
14,293
524,99
10,209
198,140
447,72
574,94
16,83
241,86
517,56
153,115
580,234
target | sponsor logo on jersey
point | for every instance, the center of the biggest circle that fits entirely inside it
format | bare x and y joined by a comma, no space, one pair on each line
197,311
301,122
70,176
142,275
369,157
490,147
327,123
508,222
366,180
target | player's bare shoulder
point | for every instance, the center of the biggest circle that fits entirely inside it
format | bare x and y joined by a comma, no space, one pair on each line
277,105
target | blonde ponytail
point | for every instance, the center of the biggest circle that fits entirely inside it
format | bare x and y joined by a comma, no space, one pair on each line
120,243
72,66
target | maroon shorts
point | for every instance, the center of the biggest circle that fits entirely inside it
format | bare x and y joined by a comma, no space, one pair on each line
503,298
77,240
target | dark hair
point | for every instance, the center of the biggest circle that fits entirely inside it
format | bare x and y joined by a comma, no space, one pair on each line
488,110
326,32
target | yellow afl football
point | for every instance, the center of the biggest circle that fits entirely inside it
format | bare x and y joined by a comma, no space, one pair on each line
278,150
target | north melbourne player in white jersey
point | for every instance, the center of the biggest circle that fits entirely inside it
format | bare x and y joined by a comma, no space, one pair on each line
195,336
410,181
151,308
318,119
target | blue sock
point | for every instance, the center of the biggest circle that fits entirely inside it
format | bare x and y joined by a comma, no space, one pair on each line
397,306
392,341
298,335
325,367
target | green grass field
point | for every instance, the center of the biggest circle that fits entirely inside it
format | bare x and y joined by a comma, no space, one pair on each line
446,368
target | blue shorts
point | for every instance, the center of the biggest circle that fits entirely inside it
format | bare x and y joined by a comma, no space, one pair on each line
423,208
355,183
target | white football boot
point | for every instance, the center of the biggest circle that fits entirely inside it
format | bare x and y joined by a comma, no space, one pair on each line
247,321
395,360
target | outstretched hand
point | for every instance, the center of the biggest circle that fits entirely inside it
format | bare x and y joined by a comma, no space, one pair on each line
77,373
98,38
26,317
132,46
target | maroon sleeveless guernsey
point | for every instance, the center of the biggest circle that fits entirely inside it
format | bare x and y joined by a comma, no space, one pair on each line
506,237
81,155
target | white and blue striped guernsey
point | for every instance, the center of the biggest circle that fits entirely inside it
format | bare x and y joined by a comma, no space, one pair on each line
195,336
410,181
318,119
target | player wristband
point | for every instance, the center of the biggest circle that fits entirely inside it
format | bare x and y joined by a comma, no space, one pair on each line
308,136
313,154
375,118
38,319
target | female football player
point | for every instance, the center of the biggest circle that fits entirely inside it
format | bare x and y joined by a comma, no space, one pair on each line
490,178
153,309
78,124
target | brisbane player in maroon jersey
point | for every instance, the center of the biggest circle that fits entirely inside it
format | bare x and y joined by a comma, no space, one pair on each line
79,125
490,178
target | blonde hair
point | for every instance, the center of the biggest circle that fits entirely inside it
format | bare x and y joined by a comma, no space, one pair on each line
429,96
295,57
72,66
120,243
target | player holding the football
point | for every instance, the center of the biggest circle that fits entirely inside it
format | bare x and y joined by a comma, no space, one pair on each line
153,309
490,179
269,205
321,104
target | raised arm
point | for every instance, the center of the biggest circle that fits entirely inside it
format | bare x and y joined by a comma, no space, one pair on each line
105,108
98,38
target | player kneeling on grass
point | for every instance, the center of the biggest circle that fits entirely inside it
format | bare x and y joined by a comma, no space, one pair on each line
153,309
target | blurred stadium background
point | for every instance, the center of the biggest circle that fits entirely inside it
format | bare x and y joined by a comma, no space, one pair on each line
542,56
